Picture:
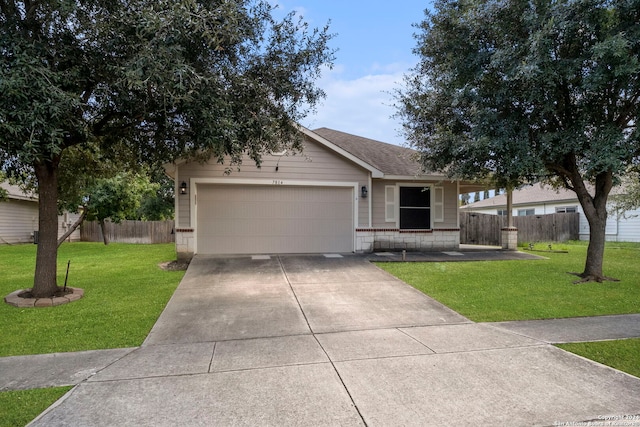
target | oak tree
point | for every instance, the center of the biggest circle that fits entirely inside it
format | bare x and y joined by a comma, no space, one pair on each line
524,91
148,81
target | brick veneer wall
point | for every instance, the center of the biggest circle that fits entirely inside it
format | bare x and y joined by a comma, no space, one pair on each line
185,244
375,239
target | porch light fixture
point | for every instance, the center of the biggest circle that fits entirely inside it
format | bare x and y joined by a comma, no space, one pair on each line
364,192
183,188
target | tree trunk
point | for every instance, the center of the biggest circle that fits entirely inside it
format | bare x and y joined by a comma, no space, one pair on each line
45,282
509,207
595,209
595,251
103,228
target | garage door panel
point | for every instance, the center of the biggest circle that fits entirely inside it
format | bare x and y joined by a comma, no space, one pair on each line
238,219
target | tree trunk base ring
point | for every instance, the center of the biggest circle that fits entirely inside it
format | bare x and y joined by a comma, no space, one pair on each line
21,298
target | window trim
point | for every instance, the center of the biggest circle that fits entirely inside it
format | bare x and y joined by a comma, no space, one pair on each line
431,202
563,209
525,212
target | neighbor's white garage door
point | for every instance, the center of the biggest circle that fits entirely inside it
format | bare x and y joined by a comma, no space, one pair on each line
252,219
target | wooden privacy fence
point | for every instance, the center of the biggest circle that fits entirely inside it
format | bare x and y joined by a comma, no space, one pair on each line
484,229
129,232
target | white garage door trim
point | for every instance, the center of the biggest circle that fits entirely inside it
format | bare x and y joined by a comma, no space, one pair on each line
193,184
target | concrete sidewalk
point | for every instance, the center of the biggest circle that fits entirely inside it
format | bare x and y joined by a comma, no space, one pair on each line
63,369
330,341
465,253
577,329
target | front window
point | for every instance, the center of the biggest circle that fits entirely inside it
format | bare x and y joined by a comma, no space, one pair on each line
415,208
567,209
526,212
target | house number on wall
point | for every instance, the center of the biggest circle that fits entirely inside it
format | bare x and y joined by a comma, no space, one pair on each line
277,182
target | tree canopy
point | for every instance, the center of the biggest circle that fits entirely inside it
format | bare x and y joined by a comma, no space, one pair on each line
529,90
117,199
629,197
147,81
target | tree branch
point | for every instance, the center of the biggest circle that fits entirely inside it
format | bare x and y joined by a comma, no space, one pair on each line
627,112
74,226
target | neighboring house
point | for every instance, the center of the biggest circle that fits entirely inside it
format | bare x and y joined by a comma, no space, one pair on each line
19,217
539,200
343,193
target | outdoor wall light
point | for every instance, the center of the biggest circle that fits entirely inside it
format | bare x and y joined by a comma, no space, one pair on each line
183,188
364,192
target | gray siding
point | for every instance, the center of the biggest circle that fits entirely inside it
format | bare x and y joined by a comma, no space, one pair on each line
315,163
628,226
18,219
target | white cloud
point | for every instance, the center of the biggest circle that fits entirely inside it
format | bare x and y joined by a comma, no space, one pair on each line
300,11
362,106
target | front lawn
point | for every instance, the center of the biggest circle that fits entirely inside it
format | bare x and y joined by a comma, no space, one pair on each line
125,292
18,408
494,291
619,354
522,290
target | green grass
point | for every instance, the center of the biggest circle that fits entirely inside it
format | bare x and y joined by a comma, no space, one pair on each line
619,354
18,408
519,290
125,292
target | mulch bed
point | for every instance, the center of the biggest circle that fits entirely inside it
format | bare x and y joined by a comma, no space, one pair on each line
178,265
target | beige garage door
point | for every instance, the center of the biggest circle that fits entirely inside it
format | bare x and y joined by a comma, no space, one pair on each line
252,219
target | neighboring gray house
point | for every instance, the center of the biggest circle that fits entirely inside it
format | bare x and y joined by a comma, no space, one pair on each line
344,193
539,200
19,217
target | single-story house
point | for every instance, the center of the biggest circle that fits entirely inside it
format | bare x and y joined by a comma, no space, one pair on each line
19,217
343,193
541,200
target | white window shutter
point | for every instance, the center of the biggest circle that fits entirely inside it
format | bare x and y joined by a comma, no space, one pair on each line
390,203
438,204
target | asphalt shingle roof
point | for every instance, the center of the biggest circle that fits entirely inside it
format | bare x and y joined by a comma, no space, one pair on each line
15,192
533,194
388,158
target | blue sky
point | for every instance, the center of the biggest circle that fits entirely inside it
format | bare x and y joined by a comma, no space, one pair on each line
374,40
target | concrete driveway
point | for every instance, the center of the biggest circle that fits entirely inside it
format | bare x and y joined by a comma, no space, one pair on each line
316,340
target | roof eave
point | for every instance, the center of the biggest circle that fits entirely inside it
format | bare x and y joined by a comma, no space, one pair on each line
525,203
170,169
375,172
23,198
465,185
425,177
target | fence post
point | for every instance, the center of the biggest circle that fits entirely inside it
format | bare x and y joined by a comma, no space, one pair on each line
510,238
